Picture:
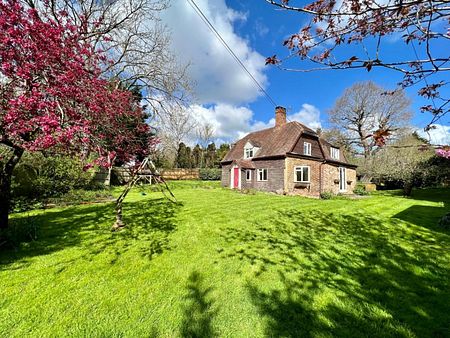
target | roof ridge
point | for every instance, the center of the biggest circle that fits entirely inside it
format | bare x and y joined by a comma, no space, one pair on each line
274,127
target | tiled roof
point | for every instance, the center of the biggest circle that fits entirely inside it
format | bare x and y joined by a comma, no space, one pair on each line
273,141
326,151
245,164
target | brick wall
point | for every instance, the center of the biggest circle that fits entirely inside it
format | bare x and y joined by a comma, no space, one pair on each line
291,187
331,179
330,175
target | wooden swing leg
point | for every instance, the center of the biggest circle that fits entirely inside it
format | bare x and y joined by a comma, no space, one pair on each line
119,224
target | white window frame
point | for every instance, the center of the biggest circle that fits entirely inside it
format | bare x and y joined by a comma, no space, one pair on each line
248,175
307,148
249,152
262,171
335,153
342,179
300,168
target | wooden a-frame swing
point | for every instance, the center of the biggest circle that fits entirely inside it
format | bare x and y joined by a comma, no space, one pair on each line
146,172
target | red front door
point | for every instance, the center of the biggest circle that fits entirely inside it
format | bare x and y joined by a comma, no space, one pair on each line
236,178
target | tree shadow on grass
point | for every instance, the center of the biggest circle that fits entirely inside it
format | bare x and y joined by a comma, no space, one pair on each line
432,195
199,312
346,275
149,223
424,216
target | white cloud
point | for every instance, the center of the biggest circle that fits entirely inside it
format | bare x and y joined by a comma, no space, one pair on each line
231,123
439,135
216,75
228,121
309,115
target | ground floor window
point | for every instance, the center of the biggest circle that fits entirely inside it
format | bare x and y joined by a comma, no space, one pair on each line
262,174
248,175
301,174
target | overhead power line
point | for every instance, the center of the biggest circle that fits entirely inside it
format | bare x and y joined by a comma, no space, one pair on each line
228,48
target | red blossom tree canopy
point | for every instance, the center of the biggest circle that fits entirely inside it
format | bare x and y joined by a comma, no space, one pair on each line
51,93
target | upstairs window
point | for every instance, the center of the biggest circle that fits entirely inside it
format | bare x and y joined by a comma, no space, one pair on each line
301,174
248,152
262,174
335,153
306,148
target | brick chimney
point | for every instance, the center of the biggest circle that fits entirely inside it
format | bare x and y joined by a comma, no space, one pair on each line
280,116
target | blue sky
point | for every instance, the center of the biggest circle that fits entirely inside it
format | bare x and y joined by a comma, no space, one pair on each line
228,99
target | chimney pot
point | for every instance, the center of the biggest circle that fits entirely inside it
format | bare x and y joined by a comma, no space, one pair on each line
280,116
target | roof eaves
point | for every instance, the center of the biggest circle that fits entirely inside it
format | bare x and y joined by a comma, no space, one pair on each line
269,157
341,163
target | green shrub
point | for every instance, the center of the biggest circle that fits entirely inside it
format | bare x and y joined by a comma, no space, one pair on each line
20,230
326,195
360,190
210,174
38,176
23,203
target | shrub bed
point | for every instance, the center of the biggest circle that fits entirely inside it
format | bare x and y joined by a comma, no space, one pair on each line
210,174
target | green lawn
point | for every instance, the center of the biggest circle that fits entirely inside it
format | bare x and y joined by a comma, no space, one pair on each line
222,263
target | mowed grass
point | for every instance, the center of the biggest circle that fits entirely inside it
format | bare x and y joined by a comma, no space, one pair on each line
222,263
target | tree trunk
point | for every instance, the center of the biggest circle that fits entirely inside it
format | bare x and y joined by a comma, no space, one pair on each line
107,181
5,186
366,147
5,199
407,188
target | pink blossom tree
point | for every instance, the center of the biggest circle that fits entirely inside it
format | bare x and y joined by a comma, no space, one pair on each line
52,96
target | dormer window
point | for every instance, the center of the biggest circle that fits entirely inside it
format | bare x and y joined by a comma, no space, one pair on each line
249,150
334,153
248,153
306,148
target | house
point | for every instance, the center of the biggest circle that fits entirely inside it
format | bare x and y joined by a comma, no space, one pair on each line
289,158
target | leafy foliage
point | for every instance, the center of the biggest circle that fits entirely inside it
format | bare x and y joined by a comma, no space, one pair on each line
360,190
402,161
52,95
40,176
210,174
326,195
